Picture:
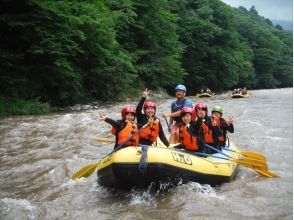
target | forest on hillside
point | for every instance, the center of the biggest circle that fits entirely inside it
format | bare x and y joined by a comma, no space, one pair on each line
67,52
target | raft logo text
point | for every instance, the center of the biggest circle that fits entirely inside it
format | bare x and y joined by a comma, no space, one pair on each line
181,158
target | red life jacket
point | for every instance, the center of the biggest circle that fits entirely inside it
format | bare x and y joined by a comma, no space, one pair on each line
151,132
122,135
188,141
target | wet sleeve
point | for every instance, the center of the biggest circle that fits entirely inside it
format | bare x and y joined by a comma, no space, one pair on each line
227,127
116,124
230,128
140,106
162,136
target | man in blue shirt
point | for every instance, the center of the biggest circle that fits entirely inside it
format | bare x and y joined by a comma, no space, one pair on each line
174,115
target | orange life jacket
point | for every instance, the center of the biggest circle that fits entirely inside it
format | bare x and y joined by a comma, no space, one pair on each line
208,135
188,141
151,132
130,129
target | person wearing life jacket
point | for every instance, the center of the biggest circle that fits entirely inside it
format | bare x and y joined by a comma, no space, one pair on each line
149,134
125,130
210,127
175,120
189,131
225,125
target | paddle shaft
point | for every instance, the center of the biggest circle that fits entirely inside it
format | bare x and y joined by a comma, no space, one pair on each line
247,163
107,140
249,154
167,124
251,160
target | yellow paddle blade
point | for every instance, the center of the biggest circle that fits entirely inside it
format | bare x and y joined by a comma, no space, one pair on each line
252,154
267,173
107,140
257,165
252,163
85,171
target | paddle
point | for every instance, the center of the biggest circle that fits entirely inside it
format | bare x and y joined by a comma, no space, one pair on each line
257,165
249,154
89,169
247,163
167,124
267,173
107,140
85,171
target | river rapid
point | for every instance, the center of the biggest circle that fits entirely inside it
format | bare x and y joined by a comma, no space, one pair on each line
39,153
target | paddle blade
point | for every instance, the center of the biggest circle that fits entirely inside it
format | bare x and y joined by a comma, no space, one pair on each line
85,171
251,154
267,173
252,163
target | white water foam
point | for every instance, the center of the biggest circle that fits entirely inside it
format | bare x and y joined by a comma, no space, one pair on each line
205,191
17,209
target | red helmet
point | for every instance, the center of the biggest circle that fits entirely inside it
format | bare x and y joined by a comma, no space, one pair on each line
186,110
149,104
202,106
126,110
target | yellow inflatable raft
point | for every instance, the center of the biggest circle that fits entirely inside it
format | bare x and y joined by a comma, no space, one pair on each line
141,166
239,95
204,95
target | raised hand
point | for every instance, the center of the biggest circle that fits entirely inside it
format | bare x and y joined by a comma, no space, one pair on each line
146,93
230,120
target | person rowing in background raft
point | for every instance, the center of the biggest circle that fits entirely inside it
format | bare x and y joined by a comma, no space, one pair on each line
225,125
149,134
190,134
124,129
174,116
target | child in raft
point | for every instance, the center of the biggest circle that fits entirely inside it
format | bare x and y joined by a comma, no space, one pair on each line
125,130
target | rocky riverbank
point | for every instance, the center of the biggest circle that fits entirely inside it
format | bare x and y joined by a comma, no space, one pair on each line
154,95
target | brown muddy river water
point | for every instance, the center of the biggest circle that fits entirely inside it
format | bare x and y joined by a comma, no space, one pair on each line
39,153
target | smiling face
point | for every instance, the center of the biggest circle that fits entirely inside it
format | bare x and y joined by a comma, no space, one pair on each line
186,118
130,117
150,111
201,113
180,94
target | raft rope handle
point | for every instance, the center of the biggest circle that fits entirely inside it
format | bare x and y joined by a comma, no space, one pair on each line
143,160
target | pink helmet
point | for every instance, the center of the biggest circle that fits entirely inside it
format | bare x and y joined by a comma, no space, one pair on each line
126,110
149,104
185,110
202,106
